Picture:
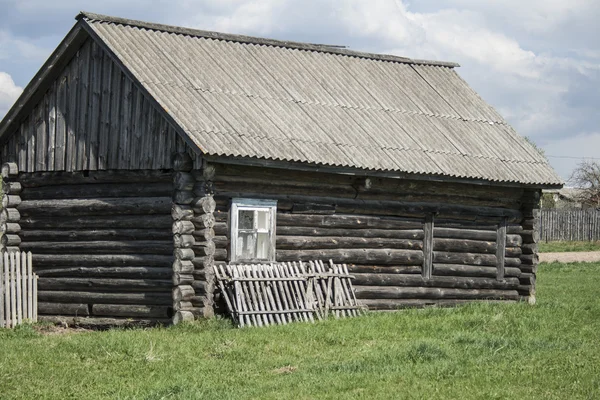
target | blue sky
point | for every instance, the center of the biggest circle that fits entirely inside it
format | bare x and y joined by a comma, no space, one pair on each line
536,61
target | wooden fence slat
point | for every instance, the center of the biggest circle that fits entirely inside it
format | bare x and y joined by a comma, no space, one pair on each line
2,285
560,225
18,289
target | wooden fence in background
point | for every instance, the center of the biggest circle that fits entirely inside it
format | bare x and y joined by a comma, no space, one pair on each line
18,289
568,225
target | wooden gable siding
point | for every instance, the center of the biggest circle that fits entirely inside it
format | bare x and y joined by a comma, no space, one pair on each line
93,117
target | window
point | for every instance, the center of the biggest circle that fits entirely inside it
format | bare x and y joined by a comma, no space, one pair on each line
253,230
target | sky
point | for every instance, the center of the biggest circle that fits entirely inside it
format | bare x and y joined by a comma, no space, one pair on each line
536,61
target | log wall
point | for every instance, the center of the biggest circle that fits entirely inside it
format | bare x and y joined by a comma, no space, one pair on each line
102,244
92,117
409,243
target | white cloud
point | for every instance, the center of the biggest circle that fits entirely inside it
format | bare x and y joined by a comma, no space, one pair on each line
565,153
8,93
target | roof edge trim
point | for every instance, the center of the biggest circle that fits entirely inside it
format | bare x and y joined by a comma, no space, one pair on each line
88,16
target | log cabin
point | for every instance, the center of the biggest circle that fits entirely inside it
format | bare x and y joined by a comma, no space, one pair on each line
141,155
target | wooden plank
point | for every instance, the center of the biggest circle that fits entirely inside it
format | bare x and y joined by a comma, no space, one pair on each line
125,118
23,283
13,287
501,249
7,289
83,107
95,110
61,121
2,291
428,247
51,147
41,134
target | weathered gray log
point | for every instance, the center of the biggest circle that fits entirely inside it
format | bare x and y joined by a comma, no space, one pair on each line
12,187
459,282
10,170
100,190
397,304
183,228
348,221
10,227
385,269
10,201
106,272
204,221
471,259
10,240
38,179
182,212
208,249
198,301
183,181
183,241
88,207
103,323
183,306
63,309
282,230
340,242
356,256
513,252
101,247
203,234
67,296
183,197
102,260
221,228
182,279
501,250
183,293
530,236
97,222
464,245
183,267
182,316
530,269
204,205
472,270
96,235
9,215
182,162
200,287
103,283
456,233
130,310
529,248
184,254
390,292
530,259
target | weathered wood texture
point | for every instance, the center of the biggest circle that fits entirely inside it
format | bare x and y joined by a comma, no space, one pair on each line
93,117
378,229
530,236
99,254
569,225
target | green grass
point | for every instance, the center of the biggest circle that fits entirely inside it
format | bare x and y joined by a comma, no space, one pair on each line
480,351
559,247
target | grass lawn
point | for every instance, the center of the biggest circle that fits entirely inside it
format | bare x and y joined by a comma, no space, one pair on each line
559,247
482,351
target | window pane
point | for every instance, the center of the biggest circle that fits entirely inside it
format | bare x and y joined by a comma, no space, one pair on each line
246,246
246,219
263,219
262,246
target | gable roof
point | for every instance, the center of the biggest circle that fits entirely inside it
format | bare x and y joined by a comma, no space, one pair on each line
244,97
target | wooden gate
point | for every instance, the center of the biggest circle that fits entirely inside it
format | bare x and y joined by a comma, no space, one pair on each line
279,293
18,289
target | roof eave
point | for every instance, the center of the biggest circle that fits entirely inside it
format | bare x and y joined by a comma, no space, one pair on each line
48,72
301,166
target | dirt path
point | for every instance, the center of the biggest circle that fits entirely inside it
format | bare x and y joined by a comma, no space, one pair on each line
575,256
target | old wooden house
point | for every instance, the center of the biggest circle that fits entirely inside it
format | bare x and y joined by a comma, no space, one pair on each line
141,155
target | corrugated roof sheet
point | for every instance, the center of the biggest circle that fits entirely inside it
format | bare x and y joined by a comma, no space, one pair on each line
304,103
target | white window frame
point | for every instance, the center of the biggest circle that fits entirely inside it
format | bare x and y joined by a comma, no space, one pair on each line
243,204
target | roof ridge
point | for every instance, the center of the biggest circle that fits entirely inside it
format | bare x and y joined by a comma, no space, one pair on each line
88,16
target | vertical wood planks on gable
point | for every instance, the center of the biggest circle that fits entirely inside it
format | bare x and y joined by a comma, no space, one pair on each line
61,123
73,95
96,81
84,107
106,111
125,117
115,118
51,116
41,135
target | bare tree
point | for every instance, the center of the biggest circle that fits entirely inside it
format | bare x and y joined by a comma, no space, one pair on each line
586,177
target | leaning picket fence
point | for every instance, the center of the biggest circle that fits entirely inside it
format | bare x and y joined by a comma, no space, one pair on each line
18,289
278,293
